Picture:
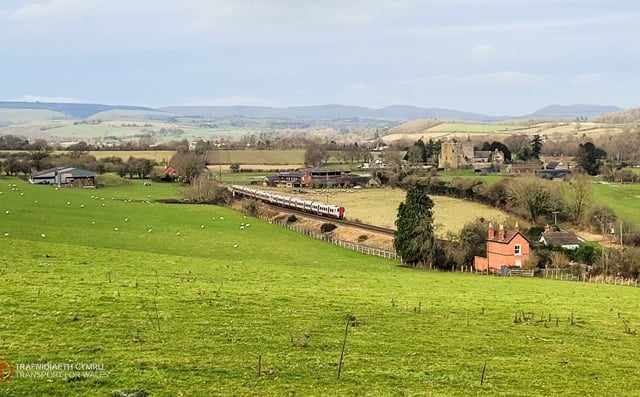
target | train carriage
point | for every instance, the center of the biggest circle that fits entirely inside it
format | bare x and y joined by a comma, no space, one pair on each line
315,207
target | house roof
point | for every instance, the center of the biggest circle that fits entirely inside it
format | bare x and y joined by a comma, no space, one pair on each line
551,165
508,236
482,154
559,238
52,172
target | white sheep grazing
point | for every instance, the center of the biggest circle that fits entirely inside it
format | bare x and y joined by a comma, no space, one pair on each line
116,229
247,225
242,227
6,234
177,234
149,231
201,226
126,219
222,218
235,245
43,235
6,212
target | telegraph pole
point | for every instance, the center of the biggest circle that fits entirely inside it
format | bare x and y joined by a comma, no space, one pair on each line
555,217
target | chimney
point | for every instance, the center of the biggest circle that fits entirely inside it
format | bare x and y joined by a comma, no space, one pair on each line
547,228
517,228
491,233
501,233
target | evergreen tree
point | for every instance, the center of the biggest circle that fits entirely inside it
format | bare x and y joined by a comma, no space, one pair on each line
417,154
536,146
588,157
415,238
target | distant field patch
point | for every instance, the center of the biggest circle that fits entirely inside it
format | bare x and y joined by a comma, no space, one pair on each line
471,128
252,156
28,115
157,155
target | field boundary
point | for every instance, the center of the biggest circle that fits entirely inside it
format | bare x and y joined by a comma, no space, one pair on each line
363,249
561,274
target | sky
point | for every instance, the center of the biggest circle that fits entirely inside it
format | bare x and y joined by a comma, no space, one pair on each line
497,57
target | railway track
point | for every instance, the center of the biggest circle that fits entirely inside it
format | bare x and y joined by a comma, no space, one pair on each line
344,222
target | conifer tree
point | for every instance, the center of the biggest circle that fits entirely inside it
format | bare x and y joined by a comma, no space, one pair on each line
415,238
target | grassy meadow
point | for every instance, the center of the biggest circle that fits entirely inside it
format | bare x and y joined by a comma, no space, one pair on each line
380,207
624,199
253,156
179,300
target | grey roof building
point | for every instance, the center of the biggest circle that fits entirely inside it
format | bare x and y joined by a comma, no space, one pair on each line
64,176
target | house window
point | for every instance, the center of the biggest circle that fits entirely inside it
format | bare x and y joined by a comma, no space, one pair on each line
517,249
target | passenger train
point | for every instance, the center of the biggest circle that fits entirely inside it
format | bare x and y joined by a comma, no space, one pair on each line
314,207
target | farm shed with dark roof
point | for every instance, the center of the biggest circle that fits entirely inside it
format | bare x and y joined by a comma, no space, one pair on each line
64,176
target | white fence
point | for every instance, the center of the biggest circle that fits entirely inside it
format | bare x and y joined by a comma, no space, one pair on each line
327,237
561,274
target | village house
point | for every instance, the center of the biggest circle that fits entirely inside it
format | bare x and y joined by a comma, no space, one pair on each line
64,176
559,238
505,249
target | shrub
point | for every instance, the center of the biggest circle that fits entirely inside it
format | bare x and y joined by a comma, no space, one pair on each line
251,207
327,227
292,218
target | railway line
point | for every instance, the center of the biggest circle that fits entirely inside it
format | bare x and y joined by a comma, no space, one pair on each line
344,222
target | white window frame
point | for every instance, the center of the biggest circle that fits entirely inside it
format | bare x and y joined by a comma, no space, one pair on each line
517,250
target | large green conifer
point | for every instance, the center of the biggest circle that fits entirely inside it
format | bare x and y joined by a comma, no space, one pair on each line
415,239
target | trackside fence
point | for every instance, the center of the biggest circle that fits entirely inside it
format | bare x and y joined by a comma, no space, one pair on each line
328,238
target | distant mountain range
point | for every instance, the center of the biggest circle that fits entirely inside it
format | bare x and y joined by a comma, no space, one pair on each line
319,113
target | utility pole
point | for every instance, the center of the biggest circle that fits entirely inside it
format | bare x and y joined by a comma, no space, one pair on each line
555,217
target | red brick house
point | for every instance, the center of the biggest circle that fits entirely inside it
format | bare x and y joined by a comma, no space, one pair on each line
504,248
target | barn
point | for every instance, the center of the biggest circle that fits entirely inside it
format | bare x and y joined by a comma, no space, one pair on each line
64,177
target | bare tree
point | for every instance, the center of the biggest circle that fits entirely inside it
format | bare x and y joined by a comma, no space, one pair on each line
535,197
581,197
314,154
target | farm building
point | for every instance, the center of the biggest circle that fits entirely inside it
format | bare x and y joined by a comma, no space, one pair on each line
64,176
284,179
558,238
310,177
504,249
521,169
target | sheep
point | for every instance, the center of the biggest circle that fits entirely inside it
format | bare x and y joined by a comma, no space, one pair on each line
177,234
126,219
81,205
149,231
68,202
235,245
7,234
201,226
43,235
7,212
116,229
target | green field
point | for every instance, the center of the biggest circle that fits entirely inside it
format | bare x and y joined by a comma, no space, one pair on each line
624,199
190,314
471,128
252,156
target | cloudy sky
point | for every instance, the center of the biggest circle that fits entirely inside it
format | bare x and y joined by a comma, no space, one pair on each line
500,57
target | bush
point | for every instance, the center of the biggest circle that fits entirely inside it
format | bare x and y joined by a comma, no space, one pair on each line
251,207
292,218
327,227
